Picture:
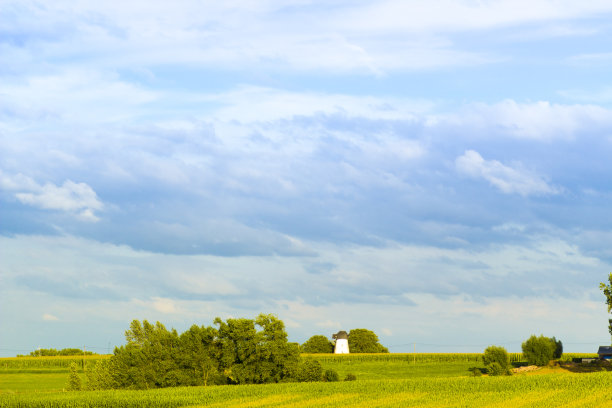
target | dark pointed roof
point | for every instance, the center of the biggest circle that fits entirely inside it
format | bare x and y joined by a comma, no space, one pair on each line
604,350
340,335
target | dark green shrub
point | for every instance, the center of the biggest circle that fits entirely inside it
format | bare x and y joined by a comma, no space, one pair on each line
476,372
495,369
350,377
539,350
309,370
497,360
331,376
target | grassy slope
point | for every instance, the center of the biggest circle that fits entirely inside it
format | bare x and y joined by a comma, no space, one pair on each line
548,390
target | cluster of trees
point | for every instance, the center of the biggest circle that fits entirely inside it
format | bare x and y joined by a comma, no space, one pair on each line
537,350
540,350
51,352
359,340
236,351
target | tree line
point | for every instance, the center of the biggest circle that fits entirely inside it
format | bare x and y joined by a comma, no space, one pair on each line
234,351
51,352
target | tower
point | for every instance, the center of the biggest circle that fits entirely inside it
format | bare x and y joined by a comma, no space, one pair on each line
342,346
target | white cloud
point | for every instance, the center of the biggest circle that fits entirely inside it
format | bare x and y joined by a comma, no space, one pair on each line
76,198
49,317
507,179
537,121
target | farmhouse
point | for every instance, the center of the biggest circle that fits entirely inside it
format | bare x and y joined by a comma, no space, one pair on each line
342,346
605,352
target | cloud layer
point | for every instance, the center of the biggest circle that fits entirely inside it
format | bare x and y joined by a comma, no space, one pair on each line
443,164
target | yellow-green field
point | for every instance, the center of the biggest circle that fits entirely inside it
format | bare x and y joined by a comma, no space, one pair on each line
382,381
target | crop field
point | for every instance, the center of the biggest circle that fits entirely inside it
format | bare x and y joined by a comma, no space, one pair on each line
421,380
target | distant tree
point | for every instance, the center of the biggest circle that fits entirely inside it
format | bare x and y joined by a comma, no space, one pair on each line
540,350
558,348
74,381
607,291
318,344
364,341
496,360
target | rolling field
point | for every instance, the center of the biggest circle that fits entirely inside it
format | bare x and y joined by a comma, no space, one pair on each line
382,381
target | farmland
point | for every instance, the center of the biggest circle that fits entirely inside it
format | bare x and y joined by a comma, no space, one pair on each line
419,380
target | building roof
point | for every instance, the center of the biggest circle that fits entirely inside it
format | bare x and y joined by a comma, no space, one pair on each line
340,335
604,350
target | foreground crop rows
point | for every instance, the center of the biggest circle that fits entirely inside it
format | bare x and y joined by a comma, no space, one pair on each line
549,390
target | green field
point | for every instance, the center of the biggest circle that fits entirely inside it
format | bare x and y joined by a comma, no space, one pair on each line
422,380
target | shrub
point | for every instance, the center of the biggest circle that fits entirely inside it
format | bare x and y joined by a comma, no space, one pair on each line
495,369
476,372
539,350
350,377
74,381
497,360
309,370
331,376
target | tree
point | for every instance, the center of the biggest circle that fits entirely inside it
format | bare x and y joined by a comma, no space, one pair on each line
248,356
558,348
239,351
318,344
99,376
364,341
607,290
497,360
540,350
74,381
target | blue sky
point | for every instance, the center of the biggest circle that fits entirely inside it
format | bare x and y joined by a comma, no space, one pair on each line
436,171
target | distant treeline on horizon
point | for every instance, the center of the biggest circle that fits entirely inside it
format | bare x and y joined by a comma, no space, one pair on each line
54,352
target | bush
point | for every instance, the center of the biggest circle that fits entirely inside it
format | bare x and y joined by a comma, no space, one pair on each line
331,376
309,370
476,372
350,377
496,369
74,381
497,360
540,350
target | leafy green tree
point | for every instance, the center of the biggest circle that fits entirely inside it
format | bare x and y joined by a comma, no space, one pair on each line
318,344
74,381
496,360
607,291
539,350
364,341
248,356
99,376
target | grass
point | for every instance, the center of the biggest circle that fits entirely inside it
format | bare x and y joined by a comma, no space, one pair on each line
548,390
382,381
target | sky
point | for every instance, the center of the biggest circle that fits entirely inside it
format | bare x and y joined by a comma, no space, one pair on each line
435,171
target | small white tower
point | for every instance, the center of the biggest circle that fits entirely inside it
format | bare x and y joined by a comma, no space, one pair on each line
341,342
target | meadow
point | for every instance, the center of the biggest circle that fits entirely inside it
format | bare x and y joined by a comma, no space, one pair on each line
421,380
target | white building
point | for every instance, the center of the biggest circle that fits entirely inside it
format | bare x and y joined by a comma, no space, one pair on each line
342,346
